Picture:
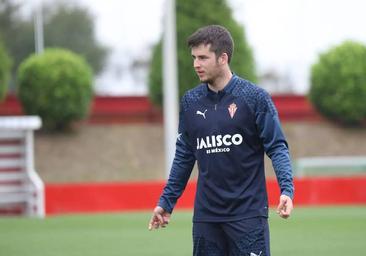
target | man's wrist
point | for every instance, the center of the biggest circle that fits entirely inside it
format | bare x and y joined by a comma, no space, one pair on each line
289,194
165,206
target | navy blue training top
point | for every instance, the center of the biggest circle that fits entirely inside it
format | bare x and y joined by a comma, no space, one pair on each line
228,133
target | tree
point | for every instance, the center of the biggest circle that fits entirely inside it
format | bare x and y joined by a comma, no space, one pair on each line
5,64
338,83
16,33
66,26
72,27
57,86
191,15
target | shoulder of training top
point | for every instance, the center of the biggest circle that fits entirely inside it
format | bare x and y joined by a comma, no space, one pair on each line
256,97
193,95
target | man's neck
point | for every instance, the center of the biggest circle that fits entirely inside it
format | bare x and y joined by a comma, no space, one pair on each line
221,81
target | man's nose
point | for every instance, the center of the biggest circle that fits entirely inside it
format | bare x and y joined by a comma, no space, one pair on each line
196,63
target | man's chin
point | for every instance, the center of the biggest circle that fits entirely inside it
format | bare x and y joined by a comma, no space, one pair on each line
204,80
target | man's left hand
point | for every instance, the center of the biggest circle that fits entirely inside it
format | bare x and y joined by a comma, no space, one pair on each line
285,206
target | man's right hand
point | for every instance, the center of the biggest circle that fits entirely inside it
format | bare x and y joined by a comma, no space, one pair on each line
159,218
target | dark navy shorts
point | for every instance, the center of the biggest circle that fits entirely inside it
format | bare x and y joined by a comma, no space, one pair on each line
247,237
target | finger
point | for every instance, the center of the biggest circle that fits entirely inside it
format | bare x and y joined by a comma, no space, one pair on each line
159,218
280,206
284,215
166,219
156,225
151,222
286,212
155,221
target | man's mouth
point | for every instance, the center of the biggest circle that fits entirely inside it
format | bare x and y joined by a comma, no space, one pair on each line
200,73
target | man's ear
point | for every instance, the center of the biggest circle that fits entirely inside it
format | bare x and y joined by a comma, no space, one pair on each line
224,58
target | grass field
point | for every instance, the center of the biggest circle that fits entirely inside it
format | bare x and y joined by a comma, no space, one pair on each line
323,231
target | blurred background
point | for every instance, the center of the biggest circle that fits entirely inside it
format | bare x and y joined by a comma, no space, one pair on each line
93,72
286,36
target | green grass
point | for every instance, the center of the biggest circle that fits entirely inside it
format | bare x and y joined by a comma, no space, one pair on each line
310,231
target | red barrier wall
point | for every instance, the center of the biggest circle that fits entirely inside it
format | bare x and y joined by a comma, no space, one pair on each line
131,109
87,198
127,109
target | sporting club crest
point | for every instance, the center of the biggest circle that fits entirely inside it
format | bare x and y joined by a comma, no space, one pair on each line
232,109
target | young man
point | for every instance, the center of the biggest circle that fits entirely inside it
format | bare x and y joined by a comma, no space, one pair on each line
227,124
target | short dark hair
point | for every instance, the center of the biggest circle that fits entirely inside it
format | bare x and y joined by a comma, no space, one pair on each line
217,36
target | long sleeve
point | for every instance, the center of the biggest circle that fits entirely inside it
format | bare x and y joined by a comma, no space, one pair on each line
181,168
274,143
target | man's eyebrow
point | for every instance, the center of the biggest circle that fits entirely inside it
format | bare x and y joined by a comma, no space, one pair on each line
199,55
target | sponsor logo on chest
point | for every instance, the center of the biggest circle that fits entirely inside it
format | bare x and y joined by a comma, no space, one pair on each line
219,143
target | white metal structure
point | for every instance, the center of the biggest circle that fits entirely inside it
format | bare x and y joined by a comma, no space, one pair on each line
170,84
331,165
38,28
20,185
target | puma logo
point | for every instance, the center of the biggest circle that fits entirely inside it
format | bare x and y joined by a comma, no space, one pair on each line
253,254
179,136
202,114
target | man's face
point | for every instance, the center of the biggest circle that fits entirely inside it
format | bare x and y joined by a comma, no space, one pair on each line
205,63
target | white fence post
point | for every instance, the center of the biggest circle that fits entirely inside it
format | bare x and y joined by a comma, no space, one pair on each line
25,184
